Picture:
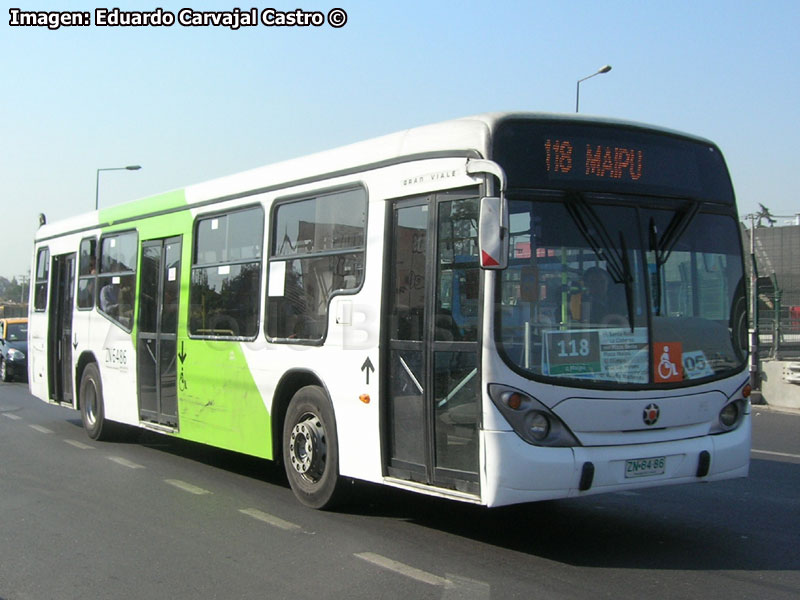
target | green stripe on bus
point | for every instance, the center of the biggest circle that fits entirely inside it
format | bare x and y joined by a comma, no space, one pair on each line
218,400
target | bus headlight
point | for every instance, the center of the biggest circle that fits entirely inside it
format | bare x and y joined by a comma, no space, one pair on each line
730,416
530,419
15,354
538,425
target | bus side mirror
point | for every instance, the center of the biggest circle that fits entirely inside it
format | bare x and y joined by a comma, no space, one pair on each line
493,233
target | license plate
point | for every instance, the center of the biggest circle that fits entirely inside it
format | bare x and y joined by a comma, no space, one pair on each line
644,467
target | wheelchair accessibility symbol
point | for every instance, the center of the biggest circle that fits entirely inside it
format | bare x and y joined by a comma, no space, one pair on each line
668,361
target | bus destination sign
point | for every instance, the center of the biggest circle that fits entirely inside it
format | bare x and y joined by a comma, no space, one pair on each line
588,157
593,160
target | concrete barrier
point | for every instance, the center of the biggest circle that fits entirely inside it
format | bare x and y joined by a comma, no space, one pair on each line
780,383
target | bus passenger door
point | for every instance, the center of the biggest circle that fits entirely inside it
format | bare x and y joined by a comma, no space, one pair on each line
59,345
157,339
432,410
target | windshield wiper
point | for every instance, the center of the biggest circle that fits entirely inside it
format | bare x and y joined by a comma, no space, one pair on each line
663,248
593,230
676,228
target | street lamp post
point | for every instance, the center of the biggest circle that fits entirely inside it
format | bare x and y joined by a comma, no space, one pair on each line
599,71
97,182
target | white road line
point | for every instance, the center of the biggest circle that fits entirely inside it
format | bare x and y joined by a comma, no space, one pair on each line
40,429
12,417
462,588
124,462
80,445
186,487
754,451
455,586
402,569
268,518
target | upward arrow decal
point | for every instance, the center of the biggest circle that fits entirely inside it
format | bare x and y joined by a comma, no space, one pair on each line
367,366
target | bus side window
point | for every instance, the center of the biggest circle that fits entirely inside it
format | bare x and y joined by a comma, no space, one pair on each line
117,278
42,273
87,273
317,251
226,275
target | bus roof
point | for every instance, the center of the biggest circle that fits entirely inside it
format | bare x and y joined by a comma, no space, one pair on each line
467,136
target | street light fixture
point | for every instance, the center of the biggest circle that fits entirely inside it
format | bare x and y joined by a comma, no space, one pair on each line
97,182
599,71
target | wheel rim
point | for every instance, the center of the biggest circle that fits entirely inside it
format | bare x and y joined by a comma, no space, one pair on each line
2,369
307,448
90,402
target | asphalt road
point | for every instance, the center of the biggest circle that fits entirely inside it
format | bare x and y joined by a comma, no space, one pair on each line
152,517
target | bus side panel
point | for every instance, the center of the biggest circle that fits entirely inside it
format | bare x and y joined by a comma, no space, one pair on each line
218,400
116,360
37,340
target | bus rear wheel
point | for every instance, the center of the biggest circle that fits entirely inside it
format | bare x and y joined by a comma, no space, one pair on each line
311,450
92,408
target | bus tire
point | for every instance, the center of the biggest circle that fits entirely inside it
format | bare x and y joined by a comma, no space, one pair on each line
92,407
311,449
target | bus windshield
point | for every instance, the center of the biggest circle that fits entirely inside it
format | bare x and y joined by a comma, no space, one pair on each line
604,291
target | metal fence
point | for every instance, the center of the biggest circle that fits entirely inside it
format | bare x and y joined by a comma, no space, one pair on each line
777,257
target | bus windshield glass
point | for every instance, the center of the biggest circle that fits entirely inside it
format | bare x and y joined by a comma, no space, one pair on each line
600,290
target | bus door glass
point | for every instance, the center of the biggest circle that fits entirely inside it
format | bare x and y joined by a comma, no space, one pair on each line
433,409
159,287
60,339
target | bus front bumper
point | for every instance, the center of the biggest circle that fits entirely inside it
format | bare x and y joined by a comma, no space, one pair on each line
517,472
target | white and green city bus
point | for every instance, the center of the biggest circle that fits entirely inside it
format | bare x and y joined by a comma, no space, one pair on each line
498,309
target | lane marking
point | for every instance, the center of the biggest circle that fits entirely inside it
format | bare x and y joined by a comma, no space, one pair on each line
455,586
186,487
402,569
268,518
40,429
12,417
80,445
463,588
770,453
125,462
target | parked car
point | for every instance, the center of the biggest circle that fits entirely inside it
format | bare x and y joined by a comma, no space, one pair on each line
13,349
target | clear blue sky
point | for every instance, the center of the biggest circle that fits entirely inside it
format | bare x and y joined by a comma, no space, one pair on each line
191,104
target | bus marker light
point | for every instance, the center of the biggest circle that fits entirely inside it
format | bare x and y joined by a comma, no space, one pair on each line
364,398
514,401
747,390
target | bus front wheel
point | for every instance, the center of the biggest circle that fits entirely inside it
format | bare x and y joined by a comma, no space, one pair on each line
92,408
311,450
